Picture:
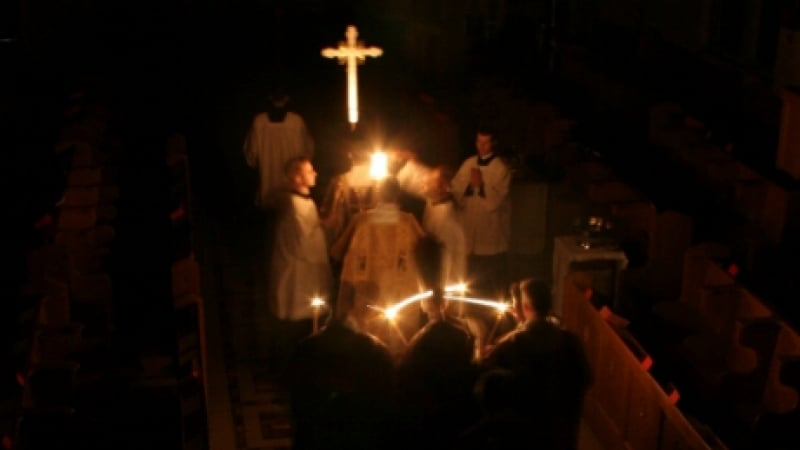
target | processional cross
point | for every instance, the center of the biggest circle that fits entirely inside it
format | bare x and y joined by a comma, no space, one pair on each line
352,52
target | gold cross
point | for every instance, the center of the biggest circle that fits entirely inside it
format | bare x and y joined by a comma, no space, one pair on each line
352,52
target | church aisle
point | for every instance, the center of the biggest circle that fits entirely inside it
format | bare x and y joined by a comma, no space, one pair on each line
247,410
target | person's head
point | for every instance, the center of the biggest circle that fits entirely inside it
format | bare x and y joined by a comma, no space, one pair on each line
537,302
278,96
277,106
300,174
389,190
437,184
485,140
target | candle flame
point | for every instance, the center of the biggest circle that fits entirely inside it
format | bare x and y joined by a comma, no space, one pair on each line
379,167
392,311
317,302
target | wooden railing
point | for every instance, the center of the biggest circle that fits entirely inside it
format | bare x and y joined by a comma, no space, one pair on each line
625,407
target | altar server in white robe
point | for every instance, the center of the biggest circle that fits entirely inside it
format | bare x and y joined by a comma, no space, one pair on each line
299,268
275,136
441,220
481,187
440,217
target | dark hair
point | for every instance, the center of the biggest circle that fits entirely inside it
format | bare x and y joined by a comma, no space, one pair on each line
278,92
293,165
538,293
488,130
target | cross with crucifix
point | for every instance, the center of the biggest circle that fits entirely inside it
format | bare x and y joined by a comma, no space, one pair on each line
352,52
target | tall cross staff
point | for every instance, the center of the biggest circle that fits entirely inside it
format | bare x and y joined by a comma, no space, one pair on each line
352,52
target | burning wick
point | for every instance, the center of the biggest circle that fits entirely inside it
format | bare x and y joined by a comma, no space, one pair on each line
379,167
316,305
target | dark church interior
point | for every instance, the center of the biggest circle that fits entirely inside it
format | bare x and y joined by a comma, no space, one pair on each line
130,314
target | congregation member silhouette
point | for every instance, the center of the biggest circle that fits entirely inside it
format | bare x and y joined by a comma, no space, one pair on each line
500,426
436,373
551,370
341,387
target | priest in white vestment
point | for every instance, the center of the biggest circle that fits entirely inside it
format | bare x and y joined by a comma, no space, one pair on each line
481,187
378,266
275,137
299,267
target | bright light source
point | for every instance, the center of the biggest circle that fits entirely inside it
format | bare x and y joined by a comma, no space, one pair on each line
379,167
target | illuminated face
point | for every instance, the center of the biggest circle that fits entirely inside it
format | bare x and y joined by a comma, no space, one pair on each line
306,175
484,144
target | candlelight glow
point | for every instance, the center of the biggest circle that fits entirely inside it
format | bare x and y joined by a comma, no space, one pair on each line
391,312
317,302
379,167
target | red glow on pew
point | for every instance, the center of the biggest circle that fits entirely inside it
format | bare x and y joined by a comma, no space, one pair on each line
647,363
20,379
733,270
8,444
674,396
588,293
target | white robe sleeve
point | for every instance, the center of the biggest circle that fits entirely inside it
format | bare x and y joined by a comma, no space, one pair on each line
496,184
412,177
460,181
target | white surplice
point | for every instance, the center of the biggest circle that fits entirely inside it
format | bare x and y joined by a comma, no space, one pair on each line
300,268
269,145
413,178
486,211
441,220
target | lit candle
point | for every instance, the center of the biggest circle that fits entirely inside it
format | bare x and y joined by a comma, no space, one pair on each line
379,167
316,304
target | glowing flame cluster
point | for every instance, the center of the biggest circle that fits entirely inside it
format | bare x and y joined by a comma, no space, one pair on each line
461,288
379,166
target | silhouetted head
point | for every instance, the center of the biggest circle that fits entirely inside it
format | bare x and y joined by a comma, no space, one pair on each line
537,302
278,101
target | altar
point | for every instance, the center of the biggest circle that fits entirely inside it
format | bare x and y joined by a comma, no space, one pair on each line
607,263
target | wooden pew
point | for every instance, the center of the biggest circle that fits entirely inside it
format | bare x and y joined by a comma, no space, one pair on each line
625,407
780,398
701,274
776,426
670,240
635,228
